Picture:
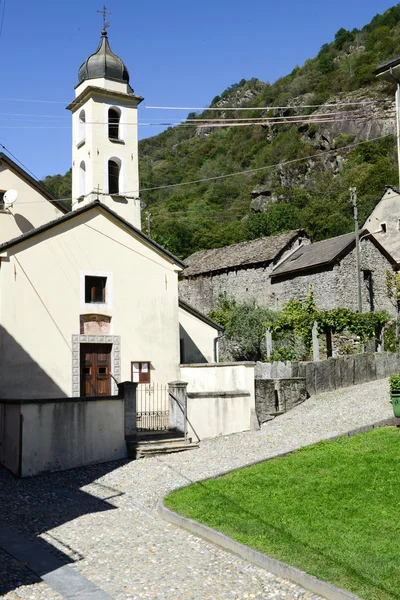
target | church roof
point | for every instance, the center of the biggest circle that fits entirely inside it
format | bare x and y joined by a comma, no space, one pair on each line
74,213
103,63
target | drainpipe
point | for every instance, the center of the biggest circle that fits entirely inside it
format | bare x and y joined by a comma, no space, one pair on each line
216,347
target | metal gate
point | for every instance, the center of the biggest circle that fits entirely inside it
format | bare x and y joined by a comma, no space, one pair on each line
152,402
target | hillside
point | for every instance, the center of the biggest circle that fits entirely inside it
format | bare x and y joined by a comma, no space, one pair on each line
313,192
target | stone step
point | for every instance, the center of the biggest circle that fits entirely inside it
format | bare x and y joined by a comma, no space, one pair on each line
139,448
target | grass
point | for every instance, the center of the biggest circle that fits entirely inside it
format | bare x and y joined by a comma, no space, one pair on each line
332,509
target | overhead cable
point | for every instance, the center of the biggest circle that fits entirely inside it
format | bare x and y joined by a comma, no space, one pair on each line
218,177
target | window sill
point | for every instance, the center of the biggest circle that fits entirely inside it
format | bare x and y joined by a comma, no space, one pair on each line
101,308
80,144
116,141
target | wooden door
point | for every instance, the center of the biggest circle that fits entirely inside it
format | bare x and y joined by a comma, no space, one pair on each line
95,369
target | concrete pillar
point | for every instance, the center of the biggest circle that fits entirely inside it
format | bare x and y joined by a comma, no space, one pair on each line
178,406
315,341
268,341
127,389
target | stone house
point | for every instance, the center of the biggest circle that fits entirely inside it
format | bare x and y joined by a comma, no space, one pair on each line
330,268
240,270
384,221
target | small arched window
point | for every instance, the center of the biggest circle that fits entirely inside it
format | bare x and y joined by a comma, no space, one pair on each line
113,176
114,116
82,179
82,125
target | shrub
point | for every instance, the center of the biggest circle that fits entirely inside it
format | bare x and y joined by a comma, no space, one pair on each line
394,383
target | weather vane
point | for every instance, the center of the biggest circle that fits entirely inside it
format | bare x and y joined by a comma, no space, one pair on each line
104,13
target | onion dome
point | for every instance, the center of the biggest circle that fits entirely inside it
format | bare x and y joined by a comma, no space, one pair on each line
103,63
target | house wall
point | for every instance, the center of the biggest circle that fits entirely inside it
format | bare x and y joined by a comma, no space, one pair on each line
41,304
31,209
242,283
336,286
197,339
387,211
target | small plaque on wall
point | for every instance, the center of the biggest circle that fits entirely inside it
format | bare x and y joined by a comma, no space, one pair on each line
95,324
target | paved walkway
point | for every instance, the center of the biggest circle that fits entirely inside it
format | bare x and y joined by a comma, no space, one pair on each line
102,521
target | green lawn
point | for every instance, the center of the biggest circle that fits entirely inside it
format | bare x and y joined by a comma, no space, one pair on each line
332,509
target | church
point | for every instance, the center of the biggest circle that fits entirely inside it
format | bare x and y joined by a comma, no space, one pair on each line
87,300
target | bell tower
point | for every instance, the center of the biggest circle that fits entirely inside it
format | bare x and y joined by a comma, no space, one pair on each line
105,163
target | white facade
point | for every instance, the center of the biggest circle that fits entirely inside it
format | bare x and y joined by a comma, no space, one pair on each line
46,273
384,222
32,208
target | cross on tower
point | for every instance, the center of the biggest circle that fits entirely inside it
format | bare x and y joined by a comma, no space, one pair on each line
104,13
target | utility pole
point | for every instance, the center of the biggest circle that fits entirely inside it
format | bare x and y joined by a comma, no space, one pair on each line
148,219
353,195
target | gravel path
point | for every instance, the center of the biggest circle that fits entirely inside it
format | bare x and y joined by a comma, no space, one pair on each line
103,517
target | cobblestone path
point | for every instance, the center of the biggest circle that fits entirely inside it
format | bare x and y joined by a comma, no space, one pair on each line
102,519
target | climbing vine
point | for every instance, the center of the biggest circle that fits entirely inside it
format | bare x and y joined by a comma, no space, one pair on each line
298,317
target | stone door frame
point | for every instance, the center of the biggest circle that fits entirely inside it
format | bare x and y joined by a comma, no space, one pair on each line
77,340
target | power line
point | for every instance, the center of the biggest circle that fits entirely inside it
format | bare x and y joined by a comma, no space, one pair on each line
206,108
219,123
197,120
218,177
222,108
246,172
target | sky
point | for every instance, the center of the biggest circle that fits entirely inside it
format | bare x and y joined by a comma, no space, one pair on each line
178,54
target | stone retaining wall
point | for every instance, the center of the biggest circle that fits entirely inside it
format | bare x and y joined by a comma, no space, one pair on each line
277,396
333,373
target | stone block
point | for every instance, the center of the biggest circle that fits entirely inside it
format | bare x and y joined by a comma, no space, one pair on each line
325,375
344,371
381,365
291,392
310,377
361,369
301,369
265,399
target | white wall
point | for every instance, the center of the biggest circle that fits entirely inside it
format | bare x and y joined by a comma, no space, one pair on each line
197,337
221,398
31,209
387,211
40,305
211,415
63,435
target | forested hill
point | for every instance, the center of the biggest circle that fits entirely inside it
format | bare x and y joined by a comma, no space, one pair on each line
278,194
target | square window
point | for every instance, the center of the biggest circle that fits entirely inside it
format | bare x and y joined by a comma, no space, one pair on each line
141,372
95,289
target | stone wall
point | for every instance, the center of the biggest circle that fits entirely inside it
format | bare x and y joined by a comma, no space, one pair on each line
345,371
336,286
243,283
277,396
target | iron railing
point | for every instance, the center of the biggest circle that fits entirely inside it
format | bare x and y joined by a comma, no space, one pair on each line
152,407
